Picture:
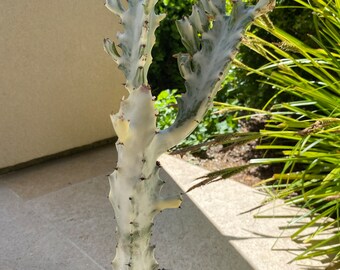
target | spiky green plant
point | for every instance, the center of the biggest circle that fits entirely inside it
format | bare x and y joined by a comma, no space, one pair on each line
211,39
305,131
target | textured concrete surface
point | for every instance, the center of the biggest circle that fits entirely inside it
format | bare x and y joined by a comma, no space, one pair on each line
56,216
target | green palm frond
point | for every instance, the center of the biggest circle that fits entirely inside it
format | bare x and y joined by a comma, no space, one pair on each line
305,132
219,175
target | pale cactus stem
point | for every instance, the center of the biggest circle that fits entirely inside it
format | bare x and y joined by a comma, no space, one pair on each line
211,39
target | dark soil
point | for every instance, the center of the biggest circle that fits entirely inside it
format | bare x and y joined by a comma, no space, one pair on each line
218,157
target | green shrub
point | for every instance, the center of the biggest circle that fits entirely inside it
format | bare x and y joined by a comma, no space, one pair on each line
213,123
163,73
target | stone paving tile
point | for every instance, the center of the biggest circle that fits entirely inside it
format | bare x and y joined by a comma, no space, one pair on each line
187,240
27,241
10,204
35,181
83,214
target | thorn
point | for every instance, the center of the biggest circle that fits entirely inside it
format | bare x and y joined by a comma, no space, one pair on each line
158,163
142,178
197,121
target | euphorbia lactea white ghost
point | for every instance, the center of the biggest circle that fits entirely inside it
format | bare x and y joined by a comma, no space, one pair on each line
211,39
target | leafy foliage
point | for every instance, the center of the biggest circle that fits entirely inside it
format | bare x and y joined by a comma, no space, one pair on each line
212,124
242,86
163,73
306,131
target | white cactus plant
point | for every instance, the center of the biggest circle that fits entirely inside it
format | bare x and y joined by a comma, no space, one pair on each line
211,39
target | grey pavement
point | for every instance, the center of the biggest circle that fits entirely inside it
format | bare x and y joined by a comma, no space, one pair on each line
56,216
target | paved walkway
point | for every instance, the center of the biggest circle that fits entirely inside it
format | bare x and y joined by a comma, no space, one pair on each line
56,216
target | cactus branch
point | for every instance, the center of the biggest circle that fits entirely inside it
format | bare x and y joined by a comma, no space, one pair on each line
207,60
139,22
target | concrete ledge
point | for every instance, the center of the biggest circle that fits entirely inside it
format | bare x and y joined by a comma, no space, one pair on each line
263,242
